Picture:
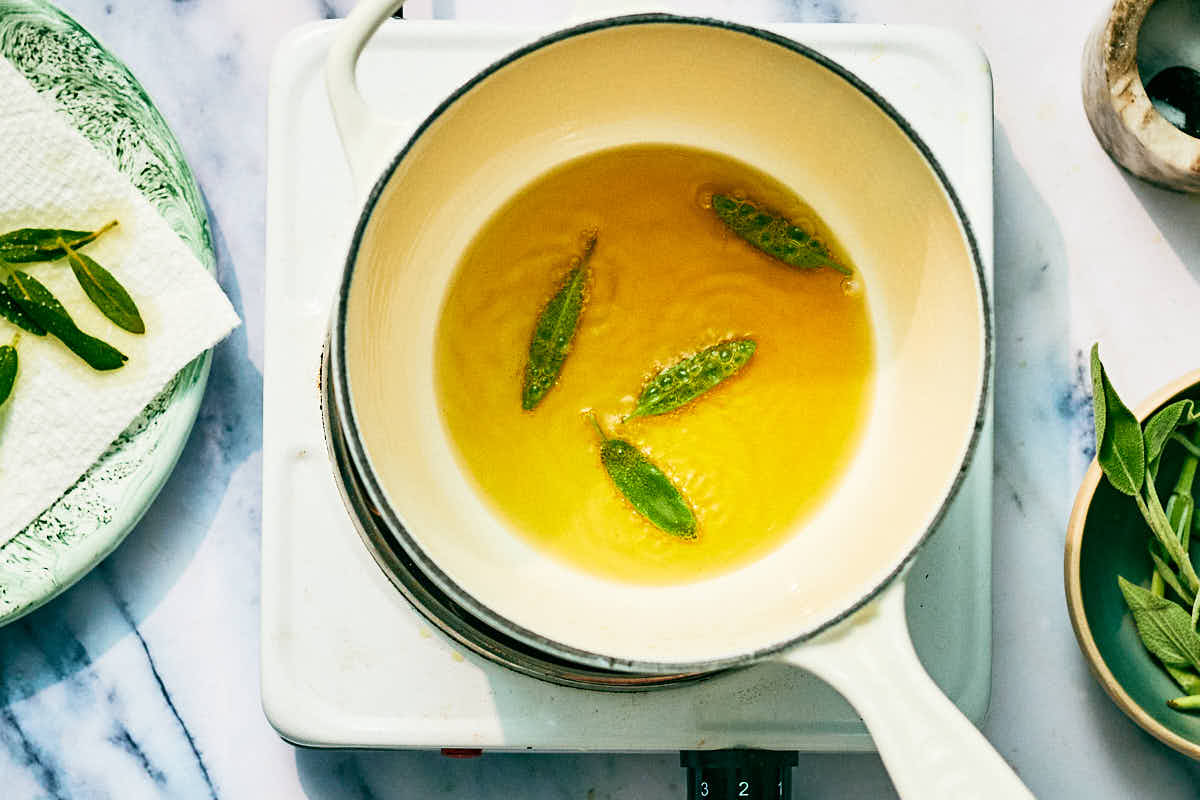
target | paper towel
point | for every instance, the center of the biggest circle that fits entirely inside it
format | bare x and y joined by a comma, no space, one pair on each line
62,415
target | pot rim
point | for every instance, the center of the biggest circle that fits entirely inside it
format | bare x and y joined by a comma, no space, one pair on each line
347,420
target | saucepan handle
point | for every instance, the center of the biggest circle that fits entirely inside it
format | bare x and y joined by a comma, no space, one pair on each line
930,749
368,139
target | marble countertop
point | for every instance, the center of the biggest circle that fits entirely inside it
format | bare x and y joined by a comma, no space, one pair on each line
142,681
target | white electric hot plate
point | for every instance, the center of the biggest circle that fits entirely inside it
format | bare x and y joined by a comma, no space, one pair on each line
346,659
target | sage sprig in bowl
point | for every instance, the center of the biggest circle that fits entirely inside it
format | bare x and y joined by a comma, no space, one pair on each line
1108,538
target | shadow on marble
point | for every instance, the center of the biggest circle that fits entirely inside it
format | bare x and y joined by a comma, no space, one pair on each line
1044,442
1043,435
1130,750
367,774
1038,381
1177,216
64,637
1149,760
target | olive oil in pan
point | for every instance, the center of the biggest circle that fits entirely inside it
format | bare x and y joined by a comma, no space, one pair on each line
753,456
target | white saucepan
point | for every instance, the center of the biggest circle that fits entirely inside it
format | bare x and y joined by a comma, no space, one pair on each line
830,599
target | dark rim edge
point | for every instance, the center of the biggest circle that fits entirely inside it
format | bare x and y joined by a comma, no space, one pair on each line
342,394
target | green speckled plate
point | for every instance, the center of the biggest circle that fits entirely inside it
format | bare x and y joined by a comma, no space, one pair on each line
108,106
1107,537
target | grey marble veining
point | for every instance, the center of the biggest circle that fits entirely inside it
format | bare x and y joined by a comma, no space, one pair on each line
142,681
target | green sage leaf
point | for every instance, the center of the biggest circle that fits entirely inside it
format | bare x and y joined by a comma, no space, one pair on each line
37,301
554,331
1120,448
1099,407
1158,429
684,381
1165,628
646,487
41,244
13,313
8,371
105,291
774,235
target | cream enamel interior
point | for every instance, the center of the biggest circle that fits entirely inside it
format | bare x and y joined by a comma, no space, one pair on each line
770,107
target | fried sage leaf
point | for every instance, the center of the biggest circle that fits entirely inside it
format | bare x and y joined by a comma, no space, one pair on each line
554,331
104,290
37,301
684,381
1165,628
774,235
42,244
8,371
646,487
13,313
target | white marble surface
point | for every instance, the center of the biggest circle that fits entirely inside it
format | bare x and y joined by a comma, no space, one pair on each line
142,680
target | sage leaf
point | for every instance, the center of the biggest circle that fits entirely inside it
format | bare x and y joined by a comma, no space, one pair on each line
1158,429
13,313
554,331
104,290
774,235
1099,407
8,371
1165,628
1120,449
646,487
684,381
37,301
42,244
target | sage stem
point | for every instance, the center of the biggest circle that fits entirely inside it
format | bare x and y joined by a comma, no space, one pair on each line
1190,702
1165,575
1180,509
1190,462
1156,518
1192,449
